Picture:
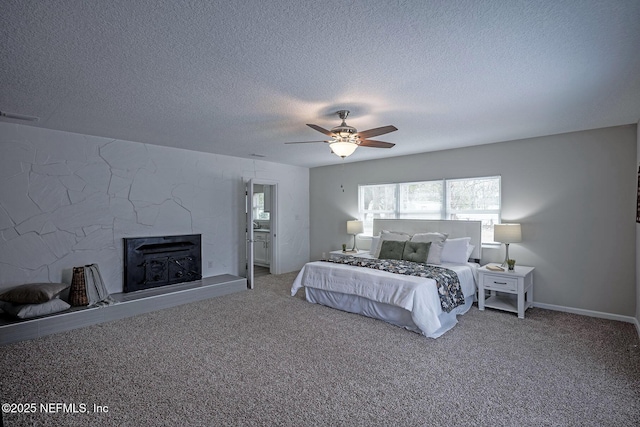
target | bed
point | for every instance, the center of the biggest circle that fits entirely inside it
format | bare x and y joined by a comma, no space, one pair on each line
411,302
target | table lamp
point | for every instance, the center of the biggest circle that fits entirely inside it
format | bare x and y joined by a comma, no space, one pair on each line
507,233
355,228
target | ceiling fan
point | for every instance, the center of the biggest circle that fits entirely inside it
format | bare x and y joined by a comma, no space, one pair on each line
345,138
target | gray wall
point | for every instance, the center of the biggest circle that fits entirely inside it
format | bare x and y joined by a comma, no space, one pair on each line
68,200
638,242
574,195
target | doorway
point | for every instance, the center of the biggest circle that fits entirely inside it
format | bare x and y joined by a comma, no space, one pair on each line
261,229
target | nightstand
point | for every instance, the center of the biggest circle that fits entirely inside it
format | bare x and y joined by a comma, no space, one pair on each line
339,253
508,290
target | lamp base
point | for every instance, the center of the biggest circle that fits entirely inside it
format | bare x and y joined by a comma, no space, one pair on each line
506,257
355,247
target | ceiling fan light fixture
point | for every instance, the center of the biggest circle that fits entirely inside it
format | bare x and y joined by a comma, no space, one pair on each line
343,149
345,139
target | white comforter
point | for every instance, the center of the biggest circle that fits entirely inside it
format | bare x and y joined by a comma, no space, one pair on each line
418,295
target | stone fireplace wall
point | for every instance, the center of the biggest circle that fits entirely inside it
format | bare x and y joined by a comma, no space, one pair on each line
68,200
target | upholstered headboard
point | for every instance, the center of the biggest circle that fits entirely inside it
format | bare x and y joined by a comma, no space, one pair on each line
454,229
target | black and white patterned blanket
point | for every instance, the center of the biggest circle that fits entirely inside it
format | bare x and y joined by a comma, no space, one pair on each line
447,281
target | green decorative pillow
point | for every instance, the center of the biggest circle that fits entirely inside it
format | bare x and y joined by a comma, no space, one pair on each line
416,251
391,249
33,293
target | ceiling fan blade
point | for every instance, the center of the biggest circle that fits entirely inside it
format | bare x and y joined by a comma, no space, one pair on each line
375,144
321,130
377,131
18,116
303,142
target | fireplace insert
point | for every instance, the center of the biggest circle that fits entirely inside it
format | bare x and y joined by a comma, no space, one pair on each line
150,262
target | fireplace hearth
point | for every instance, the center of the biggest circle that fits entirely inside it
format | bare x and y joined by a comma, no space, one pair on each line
151,262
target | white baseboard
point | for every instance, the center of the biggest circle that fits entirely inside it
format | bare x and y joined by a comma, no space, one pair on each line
599,314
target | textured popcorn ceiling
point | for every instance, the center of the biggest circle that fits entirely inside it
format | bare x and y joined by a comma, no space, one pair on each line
242,77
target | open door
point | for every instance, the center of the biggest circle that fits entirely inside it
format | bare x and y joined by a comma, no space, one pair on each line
249,232
261,211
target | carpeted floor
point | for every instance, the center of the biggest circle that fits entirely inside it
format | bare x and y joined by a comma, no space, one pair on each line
262,357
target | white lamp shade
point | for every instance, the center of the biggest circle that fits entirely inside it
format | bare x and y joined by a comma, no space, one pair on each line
355,227
343,149
507,233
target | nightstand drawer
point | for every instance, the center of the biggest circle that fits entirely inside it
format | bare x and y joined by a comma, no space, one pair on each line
500,283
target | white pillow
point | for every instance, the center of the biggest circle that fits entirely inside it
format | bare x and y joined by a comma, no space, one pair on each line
470,249
26,311
437,244
455,250
388,235
397,233
375,245
429,237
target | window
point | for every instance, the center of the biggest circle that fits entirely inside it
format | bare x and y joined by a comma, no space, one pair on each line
475,199
421,200
258,207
